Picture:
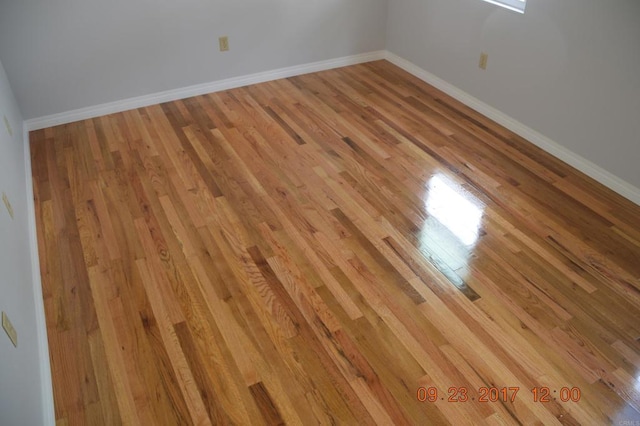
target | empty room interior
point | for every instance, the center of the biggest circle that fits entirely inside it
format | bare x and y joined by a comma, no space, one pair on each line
354,212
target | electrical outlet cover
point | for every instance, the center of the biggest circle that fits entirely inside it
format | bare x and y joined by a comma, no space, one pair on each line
484,57
7,204
8,126
11,331
224,43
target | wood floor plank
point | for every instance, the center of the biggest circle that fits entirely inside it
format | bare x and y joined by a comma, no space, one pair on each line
345,247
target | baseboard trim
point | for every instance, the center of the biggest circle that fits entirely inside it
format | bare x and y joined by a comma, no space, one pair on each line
199,89
592,170
48,410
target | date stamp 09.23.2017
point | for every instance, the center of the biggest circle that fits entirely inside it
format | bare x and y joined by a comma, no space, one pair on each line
461,394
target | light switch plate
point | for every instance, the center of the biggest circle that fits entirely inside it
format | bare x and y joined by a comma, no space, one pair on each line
8,327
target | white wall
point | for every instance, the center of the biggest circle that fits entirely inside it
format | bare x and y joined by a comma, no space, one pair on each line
569,69
68,54
20,385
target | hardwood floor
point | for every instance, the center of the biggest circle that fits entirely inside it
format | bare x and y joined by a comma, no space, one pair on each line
333,248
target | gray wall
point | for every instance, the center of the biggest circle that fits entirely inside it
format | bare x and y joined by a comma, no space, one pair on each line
68,54
20,386
569,69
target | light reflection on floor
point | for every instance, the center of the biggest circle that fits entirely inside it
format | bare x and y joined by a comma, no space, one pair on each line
450,232
453,207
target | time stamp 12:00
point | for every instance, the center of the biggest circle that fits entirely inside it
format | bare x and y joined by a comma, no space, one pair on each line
494,394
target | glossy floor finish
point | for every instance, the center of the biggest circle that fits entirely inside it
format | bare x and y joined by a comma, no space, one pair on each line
345,247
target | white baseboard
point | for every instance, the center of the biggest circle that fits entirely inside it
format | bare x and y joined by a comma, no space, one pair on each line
585,166
48,410
199,89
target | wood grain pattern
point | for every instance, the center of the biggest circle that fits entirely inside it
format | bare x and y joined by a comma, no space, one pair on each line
316,249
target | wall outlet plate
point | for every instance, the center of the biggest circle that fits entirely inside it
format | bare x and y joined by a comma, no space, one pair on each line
11,331
224,43
484,57
7,204
8,125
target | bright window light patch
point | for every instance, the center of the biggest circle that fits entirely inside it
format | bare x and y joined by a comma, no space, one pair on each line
453,208
515,5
